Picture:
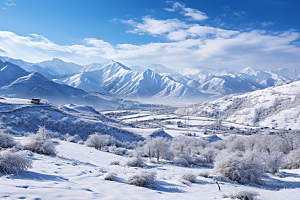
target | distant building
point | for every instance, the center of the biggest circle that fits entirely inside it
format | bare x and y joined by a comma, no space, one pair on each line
35,101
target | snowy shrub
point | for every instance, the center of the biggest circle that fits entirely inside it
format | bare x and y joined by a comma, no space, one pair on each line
14,162
188,176
204,173
74,138
181,161
209,154
116,162
135,162
143,178
219,145
131,153
111,176
271,143
99,141
40,143
236,144
242,195
237,168
117,150
199,160
271,163
292,160
6,140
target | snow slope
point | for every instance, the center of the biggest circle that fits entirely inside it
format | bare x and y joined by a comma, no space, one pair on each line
21,116
277,107
77,172
10,72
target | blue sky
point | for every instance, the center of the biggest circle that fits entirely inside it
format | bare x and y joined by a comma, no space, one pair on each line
261,34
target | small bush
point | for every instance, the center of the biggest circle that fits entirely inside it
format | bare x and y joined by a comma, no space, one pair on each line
74,138
189,176
135,162
14,162
6,140
111,176
40,143
116,162
292,160
242,195
142,178
204,173
181,162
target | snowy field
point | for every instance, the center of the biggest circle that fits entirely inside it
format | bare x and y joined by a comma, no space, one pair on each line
77,172
188,161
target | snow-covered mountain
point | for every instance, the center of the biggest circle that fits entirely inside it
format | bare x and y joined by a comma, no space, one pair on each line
162,70
115,79
60,66
151,84
270,78
16,82
277,107
10,72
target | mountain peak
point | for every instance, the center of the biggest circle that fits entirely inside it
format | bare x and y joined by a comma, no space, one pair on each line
249,71
57,60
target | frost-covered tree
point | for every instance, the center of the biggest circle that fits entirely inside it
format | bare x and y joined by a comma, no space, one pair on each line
40,142
237,168
99,141
271,143
157,146
271,163
292,160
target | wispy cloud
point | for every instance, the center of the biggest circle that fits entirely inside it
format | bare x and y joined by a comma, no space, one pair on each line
266,24
194,14
10,4
174,29
238,15
114,20
4,8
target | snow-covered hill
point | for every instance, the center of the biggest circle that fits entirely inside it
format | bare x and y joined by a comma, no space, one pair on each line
277,107
10,72
19,116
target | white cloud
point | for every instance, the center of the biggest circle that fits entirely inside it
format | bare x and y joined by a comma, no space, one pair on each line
155,27
194,14
10,4
235,50
174,29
